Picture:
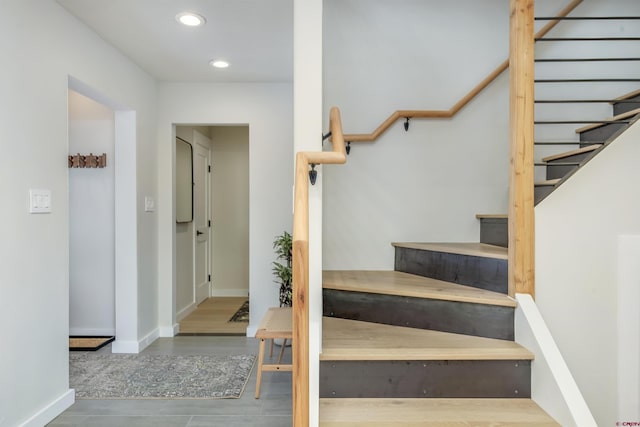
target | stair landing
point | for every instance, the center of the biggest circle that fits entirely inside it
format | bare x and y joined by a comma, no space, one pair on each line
432,412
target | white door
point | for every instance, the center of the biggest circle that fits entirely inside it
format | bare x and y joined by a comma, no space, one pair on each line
201,216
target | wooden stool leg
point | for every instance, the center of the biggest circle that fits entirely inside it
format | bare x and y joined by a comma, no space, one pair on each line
284,344
271,349
259,374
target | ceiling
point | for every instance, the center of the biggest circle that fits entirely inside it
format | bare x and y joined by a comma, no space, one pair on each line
254,36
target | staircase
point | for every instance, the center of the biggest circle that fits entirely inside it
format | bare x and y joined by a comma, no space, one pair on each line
432,342
429,344
592,139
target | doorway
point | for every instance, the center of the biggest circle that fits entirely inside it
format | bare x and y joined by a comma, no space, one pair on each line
91,220
219,233
125,248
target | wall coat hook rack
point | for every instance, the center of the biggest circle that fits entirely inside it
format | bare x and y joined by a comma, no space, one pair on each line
88,160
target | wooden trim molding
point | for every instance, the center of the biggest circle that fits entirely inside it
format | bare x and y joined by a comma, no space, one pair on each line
300,264
446,114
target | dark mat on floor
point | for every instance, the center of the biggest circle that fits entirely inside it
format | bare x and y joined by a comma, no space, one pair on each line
88,343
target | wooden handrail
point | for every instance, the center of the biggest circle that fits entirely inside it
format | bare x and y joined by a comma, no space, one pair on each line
300,265
445,114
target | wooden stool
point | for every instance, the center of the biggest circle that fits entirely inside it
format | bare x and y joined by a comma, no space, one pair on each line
276,323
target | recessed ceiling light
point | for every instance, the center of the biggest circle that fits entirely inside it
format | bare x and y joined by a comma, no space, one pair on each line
217,63
190,19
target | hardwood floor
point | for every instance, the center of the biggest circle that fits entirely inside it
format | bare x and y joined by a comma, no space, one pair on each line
212,318
273,409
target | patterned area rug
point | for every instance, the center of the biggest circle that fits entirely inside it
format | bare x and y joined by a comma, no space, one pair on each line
242,315
134,376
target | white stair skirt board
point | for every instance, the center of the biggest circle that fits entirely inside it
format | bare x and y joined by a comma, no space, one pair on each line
552,385
52,410
628,328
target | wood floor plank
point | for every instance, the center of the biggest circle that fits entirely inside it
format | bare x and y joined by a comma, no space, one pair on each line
212,317
432,412
473,249
410,285
353,340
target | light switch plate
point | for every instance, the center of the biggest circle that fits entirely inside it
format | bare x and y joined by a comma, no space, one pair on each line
149,204
39,201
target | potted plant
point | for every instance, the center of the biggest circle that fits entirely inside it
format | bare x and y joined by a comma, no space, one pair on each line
282,271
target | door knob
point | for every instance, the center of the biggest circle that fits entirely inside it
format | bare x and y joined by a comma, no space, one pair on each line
198,232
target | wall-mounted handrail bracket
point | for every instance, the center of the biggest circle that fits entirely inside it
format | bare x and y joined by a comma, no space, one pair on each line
406,124
348,148
313,174
325,136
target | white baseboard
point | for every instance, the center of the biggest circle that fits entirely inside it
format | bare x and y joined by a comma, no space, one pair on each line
230,293
148,339
169,331
93,332
186,311
121,346
52,410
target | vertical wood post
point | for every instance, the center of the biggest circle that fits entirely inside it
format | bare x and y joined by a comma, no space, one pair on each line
521,176
300,280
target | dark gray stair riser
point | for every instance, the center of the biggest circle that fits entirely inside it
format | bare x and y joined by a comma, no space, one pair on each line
494,231
428,379
601,133
540,192
558,171
623,107
476,271
481,320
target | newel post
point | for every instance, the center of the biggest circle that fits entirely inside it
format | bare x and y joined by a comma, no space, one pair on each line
521,176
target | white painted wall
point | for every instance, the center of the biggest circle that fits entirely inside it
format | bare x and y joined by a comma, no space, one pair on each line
581,277
91,220
426,184
267,110
230,210
34,250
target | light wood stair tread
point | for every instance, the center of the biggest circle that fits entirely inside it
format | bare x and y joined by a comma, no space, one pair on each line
353,340
472,249
627,96
586,149
491,216
548,182
614,118
410,285
432,412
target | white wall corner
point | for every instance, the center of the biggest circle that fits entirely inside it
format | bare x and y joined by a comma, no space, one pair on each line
552,385
52,410
251,331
